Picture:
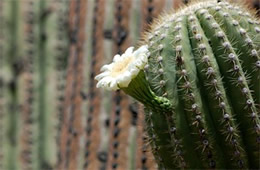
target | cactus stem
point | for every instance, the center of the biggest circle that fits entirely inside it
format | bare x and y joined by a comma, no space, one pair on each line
2,115
12,98
231,70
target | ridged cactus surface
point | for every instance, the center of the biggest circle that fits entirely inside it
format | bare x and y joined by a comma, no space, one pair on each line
205,60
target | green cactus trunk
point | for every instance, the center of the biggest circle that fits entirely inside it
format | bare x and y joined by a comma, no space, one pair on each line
205,61
10,94
28,77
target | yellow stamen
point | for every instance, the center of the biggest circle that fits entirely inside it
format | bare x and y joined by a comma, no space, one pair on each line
120,67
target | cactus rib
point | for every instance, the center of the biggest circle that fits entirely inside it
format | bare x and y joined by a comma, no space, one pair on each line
242,103
219,106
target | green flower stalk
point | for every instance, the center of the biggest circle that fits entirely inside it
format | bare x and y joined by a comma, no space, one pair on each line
199,83
139,89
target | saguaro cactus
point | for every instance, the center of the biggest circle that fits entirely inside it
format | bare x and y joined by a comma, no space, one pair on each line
28,44
198,75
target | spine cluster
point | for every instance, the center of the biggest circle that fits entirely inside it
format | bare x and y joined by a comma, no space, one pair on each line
28,133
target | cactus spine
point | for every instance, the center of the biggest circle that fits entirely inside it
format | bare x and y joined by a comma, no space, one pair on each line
205,60
28,137
62,50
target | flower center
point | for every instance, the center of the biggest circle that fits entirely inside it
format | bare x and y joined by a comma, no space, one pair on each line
121,66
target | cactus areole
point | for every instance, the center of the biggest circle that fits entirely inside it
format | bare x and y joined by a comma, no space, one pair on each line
200,86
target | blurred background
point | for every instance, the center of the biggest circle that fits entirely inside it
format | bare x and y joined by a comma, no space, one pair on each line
51,114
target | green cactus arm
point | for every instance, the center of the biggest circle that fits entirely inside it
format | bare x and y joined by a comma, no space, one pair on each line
28,136
159,106
251,34
235,80
46,92
12,119
155,75
176,119
214,92
245,46
189,95
162,58
163,148
2,87
246,20
159,139
41,86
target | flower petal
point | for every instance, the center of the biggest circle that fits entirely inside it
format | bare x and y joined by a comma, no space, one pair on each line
102,75
113,77
113,85
104,82
134,71
106,67
124,80
129,51
141,50
100,84
116,58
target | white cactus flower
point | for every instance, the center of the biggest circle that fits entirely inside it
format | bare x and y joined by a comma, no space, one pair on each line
123,68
